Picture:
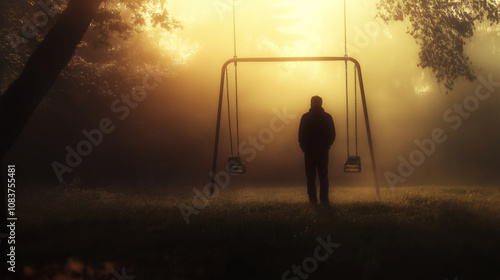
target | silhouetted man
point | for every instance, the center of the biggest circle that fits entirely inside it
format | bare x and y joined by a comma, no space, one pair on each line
316,135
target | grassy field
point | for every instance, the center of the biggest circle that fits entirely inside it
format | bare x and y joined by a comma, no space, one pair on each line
422,232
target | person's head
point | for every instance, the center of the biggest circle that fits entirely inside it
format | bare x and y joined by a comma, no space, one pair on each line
316,102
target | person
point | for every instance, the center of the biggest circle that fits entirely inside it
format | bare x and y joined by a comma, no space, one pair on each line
316,135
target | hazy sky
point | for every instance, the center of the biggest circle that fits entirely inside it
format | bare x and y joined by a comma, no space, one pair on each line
404,101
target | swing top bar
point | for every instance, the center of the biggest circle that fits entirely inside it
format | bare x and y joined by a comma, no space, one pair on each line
293,59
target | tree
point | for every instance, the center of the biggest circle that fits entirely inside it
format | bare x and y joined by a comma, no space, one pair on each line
42,69
117,41
442,29
53,54
125,41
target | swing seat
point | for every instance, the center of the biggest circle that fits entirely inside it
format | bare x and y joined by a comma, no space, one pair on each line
235,166
352,165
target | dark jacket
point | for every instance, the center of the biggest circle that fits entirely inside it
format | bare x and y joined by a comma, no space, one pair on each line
316,131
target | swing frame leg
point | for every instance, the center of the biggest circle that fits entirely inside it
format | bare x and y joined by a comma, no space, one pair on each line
292,59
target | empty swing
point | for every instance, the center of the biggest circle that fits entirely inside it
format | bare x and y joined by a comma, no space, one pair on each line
353,162
234,164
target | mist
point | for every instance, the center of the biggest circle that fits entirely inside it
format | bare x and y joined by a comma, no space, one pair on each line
170,136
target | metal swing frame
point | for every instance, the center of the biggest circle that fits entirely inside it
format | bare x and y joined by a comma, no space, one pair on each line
292,59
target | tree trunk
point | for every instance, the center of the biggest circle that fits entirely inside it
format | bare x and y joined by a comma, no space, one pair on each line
41,71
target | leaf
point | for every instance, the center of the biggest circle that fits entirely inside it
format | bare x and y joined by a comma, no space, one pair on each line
441,29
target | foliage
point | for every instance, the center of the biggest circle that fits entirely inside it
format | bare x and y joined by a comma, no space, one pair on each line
442,28
120,19
118,45
108,59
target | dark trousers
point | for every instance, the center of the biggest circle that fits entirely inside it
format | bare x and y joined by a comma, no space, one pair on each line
317,160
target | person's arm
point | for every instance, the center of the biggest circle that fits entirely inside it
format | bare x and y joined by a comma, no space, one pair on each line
302,133
332,132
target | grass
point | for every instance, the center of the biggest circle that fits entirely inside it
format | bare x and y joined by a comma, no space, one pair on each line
421,232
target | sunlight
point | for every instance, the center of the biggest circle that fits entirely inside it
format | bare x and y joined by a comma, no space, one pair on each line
177,49
304,30
305,24
155,7
422,87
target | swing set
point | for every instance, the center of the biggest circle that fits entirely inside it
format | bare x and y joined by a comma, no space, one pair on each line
235,165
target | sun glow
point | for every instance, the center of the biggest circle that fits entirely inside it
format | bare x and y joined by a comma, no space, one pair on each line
299,31
167,44
303,23
179,50
421,85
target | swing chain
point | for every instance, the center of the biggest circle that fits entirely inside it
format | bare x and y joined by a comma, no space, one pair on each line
236,83
229,113
356,109
347,105
346,76
347,91
235,166
345,30
237,111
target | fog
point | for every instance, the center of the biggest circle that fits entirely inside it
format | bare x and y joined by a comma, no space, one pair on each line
404,102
